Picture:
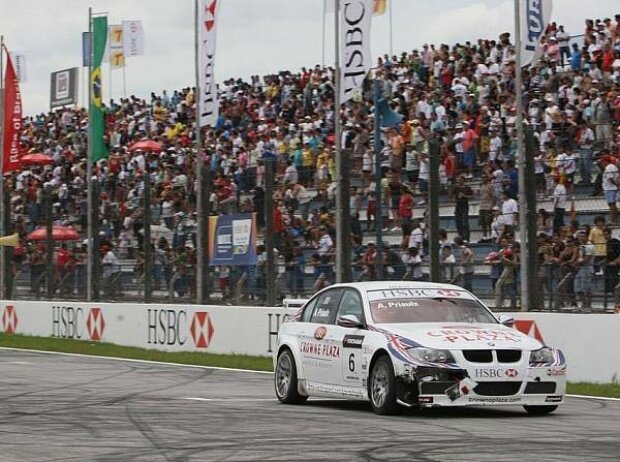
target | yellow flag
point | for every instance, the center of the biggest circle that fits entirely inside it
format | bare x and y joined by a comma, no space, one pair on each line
380,7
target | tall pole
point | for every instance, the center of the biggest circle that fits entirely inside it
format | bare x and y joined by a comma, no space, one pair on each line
391,30
523,210
323,33
3,266
89,168
202,265
337,146
124,80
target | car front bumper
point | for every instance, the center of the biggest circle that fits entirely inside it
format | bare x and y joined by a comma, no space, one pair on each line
440,387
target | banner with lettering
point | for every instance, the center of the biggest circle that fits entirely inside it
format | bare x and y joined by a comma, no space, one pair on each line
133,38
535,16
355,57
12,117
232,239
116,53
207,100
64,87
19,62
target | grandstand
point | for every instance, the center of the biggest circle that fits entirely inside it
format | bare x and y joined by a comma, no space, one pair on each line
460,95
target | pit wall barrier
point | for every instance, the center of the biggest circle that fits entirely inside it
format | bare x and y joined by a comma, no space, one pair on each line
590,342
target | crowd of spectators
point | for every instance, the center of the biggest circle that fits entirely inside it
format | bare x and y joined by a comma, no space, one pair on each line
461,95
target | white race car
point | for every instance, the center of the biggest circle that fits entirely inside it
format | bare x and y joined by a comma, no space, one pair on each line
415,344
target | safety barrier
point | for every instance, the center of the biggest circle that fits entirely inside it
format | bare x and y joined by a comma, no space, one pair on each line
591,343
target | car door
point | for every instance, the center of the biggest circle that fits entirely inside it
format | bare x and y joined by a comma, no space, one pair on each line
353,364
319,349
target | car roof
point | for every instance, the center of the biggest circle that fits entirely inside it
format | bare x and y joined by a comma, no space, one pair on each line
388,285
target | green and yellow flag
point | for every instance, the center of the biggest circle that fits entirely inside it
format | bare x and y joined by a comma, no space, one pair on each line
97,115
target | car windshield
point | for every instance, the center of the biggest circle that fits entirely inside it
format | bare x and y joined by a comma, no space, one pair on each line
426,305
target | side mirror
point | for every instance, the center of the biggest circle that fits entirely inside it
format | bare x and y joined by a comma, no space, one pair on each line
350,321
506,320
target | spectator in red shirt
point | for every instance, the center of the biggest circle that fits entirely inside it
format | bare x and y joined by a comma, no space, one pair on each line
405,210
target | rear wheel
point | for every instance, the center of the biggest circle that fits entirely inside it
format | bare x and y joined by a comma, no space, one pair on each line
286,379
539,410
382,389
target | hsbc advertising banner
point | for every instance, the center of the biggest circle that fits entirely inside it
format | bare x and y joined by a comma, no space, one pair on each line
590,342
213,329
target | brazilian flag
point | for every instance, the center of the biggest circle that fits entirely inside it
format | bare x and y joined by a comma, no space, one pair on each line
97,115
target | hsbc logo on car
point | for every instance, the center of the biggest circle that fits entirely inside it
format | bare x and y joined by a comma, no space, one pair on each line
496,373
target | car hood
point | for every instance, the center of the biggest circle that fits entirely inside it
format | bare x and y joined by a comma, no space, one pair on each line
455,336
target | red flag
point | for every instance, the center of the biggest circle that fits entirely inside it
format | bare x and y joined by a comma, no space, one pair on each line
12,118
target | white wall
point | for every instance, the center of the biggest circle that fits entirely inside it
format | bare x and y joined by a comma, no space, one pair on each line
238,330
590,342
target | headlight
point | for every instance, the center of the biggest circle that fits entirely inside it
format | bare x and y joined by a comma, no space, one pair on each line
542,356
430,355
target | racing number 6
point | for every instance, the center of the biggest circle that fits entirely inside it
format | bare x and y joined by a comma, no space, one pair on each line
352,362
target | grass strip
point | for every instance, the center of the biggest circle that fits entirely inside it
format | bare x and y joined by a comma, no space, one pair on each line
259,363
606,390
107,349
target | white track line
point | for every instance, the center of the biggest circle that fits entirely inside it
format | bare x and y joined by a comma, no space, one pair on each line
232,400
143,361
601,398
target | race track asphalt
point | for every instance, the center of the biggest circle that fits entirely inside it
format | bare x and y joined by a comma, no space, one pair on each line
68,408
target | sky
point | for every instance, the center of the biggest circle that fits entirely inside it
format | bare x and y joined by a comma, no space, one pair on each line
254,36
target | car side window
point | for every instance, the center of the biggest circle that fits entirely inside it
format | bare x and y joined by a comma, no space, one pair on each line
326,307
307,314
351,303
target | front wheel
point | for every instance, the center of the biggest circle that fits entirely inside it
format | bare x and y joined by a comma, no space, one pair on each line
539,410
383,387
286,380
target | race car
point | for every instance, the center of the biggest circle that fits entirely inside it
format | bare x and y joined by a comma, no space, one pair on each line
413,344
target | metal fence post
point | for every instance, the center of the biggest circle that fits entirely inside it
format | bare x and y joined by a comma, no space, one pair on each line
269,233
534,297
433,210
49,243
96,256
8,251
148,254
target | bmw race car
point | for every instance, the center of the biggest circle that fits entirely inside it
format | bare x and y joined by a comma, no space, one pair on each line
414,344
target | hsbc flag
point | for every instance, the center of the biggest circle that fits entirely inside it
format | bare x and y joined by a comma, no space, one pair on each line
355,58
207,101
535,15
12,117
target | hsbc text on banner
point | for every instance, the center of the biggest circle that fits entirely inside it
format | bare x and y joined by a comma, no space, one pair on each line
535,15
21,70
355,57
133,38
207,25
64,87
12,118
232,239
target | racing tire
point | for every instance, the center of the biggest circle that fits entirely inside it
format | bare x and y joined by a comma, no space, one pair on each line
285,379
539,410
382,387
